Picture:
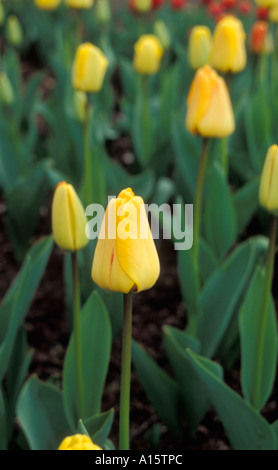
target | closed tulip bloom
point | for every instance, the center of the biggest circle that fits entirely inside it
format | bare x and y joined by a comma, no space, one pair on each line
14,31
209,108
148,52
125,257
89,68
273,14
228,52
68,219
79,4
265,3
47,4
142,6
78,442
258,37
268,193
199,46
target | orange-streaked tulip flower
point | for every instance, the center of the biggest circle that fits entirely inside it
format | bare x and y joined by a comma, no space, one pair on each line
199,46
228,51
89,68
125,256
268,194
209,108
148,52
78,442
47,4
79,4
258,37
68,219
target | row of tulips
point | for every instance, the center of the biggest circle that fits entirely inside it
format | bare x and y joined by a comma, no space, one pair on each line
202,149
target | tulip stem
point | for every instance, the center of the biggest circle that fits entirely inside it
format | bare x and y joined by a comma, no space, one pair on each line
77,334
265,305
125,373
198,201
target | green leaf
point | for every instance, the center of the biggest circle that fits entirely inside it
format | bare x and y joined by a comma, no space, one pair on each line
3,423
18,299
96,345
231,279
219,215
188,279
195,401
99,427
161,389
245,428
41,415
246,203
258,363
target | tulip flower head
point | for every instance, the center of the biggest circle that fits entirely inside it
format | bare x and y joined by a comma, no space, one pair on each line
78,442
142,6
268,193
148,52
228,51
245,7
68,219
125,256
265,3
13,31
199,46
209,108
258,37
89,68
273,14
47,4
79,4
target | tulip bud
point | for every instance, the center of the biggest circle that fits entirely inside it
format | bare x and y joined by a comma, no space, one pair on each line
215,9
162,33
47,4
68,219
80,100
125,256
244,7
6,90
79,4
89,68
157,4
273,14
148,52
178,4
265,3
268,193
78,442
209,108
258,37
199,46
142,6
228,4
14,31
228,52
103,12
262,13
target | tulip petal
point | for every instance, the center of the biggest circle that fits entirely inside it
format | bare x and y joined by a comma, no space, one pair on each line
61,219
77,218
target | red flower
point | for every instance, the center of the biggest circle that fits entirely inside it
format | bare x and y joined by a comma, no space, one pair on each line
178,4
244,7
228,3
215,9
206,2
258,36
157,4
262,13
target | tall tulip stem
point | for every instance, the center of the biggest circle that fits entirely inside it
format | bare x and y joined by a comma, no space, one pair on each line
125,373
265,303
198,201
77,334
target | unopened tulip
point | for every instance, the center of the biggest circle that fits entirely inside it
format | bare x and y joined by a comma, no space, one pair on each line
157,4
178,4
244,7
142,6
209,108
268,194
79,4
229,4
125,256
228,52
6,90
273,14
265,3
68,219
47,4
199,46
162,33
148,52
89,68
258,37
78,442
14,31
103,11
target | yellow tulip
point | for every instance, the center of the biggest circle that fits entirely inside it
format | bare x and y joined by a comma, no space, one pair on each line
125,257
14,32
268,193
47,4
199,46
273,14
68,218
209,108
79,4
78,442
228,51
148,52
265,3
143,6
89,68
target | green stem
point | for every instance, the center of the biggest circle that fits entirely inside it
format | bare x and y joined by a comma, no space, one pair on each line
224,155
77,334
87,155
198,201
265,305
125,373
